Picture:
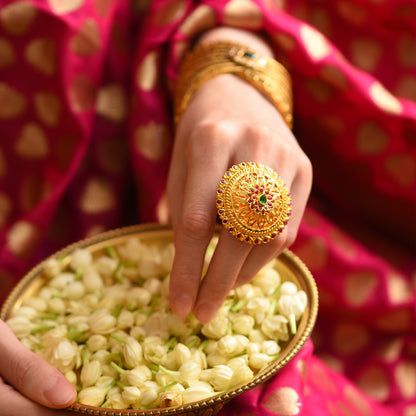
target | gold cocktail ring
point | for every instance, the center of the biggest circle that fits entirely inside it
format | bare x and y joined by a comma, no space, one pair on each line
253,202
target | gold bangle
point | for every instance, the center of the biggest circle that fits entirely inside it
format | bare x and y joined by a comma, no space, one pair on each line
208,60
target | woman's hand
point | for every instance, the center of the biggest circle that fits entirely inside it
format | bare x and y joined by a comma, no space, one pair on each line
28,384
227,122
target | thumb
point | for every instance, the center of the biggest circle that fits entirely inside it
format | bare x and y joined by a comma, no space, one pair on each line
31,375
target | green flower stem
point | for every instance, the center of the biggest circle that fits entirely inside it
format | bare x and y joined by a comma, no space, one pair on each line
114,356
118,368
41,328
111,252
272,306
275,292
171,342
85,356
118,338
116,274
203,344
237,306
73,334
117,311
78,275
120,384
153,304
48,315
193,342
292,324
167,387
129,264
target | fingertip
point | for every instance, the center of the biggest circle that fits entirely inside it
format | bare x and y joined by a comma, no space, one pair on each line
182,305
59,392
205,312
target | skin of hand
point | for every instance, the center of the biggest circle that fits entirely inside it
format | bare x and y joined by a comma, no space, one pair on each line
28,384
227,122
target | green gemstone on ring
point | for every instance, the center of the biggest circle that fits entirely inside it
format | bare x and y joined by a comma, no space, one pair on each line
248,54
263,199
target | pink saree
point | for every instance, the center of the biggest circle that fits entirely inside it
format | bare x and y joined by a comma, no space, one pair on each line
85,139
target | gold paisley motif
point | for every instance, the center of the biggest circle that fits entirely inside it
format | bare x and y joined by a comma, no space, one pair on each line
375,382
152,140
88,39
371,138
12,103
314,42
32,142
94,230
351,12
98,196
359,287
17,17
398,289
384,99
350,338
22,238
7,55
171,11
401,168
82,93
314,252
391,350
366,53
65,6
321,20
334,76
112,102
319,90
395,321
48,107
406,51
283,401
148,72
285,41
41,54
243,13
343,242
201,19
162,210
357,401
410,410
103,6
406,87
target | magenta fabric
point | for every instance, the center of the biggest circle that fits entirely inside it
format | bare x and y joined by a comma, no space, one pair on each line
85,140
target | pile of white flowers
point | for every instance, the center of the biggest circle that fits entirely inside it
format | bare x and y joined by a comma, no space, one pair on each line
105,323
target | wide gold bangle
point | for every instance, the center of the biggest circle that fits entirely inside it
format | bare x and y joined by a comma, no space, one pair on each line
208,60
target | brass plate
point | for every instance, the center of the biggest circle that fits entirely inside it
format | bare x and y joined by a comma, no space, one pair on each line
289,266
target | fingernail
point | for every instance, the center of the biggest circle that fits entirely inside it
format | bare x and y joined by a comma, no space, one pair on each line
182,305
58,392
205,312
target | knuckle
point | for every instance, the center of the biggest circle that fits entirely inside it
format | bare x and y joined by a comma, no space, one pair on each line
24,370
196,223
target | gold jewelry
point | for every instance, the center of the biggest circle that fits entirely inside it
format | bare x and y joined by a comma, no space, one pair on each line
208,60
253,202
